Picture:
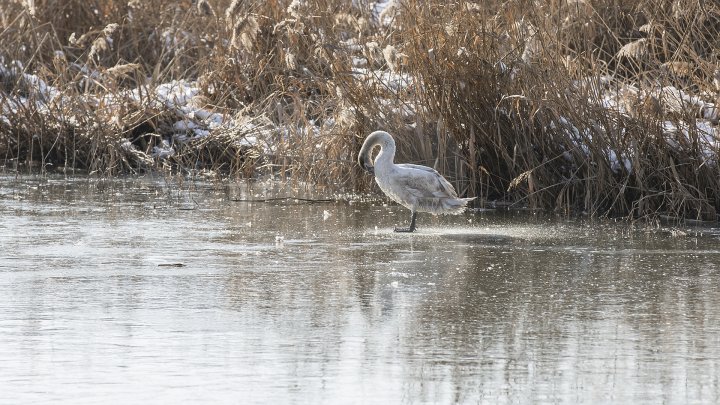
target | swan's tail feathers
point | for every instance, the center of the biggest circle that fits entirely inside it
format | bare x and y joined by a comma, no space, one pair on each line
443,205
456,205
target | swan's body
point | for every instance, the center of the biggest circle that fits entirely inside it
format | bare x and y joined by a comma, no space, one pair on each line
418,188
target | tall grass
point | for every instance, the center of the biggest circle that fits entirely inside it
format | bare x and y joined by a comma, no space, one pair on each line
598,107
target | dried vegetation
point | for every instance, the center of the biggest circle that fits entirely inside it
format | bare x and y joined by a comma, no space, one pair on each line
579,106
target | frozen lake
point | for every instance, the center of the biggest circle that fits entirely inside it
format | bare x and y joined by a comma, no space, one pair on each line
141,291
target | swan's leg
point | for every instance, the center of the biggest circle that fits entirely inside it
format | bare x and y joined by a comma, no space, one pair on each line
412,224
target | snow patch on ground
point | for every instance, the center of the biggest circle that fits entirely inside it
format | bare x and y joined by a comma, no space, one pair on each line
701,133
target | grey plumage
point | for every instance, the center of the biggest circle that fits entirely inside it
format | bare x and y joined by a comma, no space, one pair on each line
418,188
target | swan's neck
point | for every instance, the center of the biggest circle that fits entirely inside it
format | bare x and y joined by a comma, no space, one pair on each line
385,158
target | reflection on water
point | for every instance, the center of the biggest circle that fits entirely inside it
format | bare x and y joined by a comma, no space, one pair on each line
286,302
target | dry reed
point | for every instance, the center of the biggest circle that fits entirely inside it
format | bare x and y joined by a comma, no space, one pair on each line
579,106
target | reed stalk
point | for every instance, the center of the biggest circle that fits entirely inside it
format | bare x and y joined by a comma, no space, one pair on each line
595,107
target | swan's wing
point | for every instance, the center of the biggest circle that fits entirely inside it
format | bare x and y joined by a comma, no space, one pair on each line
418,167
424,182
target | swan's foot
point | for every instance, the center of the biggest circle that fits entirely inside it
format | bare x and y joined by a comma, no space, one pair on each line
411,228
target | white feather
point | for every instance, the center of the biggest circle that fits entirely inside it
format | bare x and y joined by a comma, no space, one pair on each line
418,188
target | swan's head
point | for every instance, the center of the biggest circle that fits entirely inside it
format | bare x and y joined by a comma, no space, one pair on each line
377,138
367,166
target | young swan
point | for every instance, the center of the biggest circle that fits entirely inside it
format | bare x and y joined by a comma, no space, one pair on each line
417,188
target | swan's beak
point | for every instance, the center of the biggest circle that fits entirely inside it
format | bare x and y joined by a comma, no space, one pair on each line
365,156
365,162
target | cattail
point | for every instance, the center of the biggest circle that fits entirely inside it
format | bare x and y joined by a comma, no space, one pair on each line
650,106
30,7
204,8
232,11
110,29
533,43
290,61
297,9
100,45
373,53
363,24
388,13
122,70
634,50
103,42
346,118
345,19
473,7
451,29
245,31
84,38
390,54
60,61
322,55
650,28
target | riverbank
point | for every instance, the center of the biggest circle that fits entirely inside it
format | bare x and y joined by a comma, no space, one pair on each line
579,107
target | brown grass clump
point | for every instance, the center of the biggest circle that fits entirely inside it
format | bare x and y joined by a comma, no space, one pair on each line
579,106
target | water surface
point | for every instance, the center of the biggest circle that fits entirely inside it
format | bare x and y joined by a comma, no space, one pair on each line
154,291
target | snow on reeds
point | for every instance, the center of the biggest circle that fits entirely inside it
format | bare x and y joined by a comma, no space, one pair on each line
603,108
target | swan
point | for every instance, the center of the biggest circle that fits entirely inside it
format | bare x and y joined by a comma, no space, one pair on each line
417,188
